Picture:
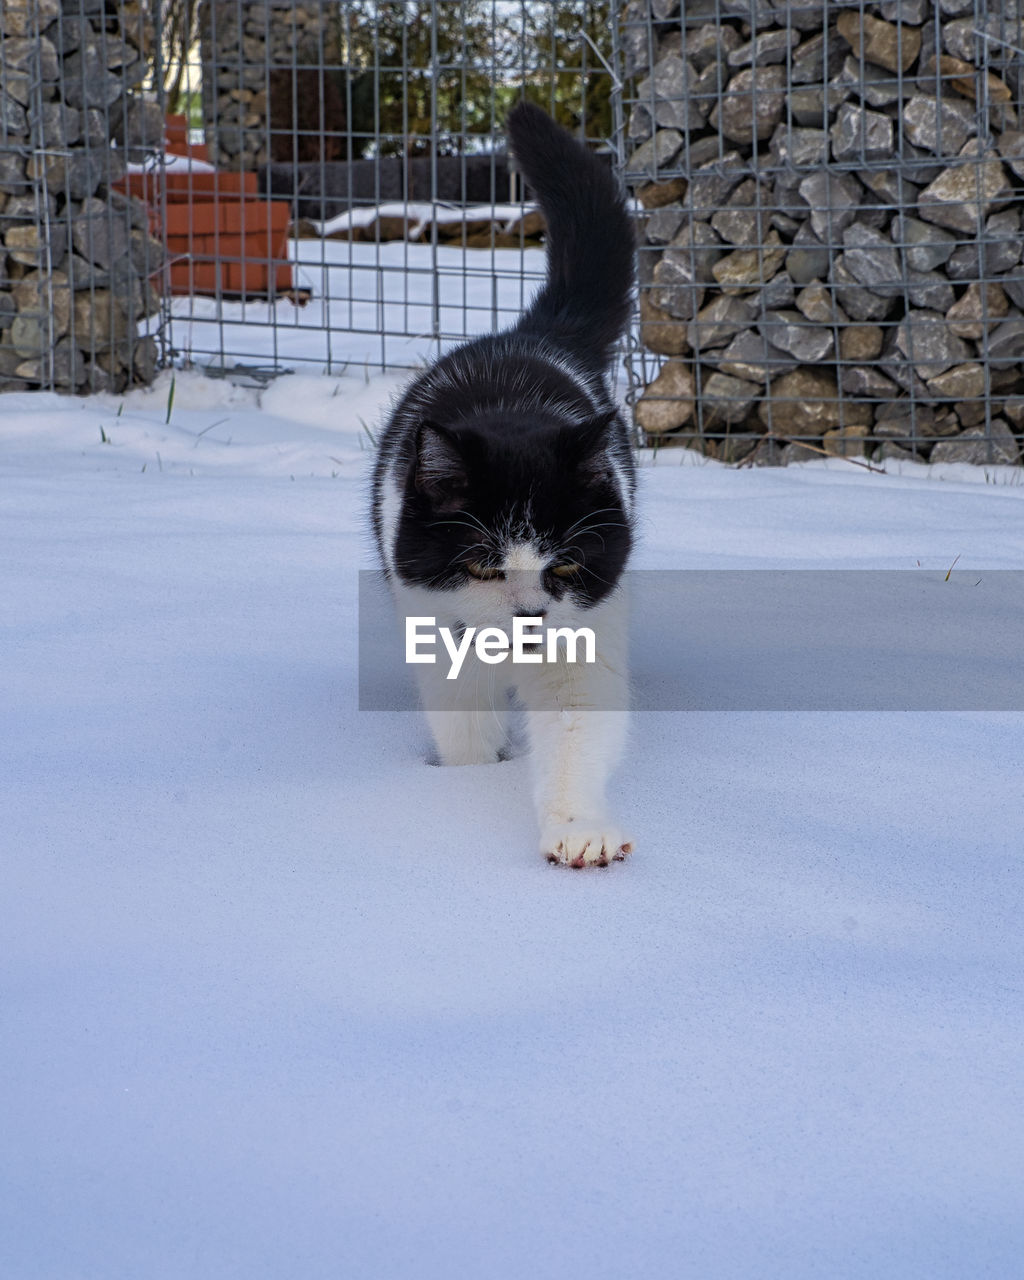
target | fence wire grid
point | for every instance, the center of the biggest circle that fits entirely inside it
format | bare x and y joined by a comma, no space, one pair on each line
832,240
380,125
80,307
828,200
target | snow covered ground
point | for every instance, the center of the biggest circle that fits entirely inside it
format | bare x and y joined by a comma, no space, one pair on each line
280,1002
371,304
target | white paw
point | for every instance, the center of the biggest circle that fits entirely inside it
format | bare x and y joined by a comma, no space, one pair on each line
584,843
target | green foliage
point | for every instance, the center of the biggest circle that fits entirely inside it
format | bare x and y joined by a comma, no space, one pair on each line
191,106
413,77
179,31
436,74
431,65
572,43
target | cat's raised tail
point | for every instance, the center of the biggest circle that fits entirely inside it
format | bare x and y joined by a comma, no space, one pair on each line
585,303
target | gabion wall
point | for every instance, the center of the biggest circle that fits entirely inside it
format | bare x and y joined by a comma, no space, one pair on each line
242,46
76,257
831,228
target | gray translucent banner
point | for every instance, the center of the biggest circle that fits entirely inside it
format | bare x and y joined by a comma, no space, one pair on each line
777,640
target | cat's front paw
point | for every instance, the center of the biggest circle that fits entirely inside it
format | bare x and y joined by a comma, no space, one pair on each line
584,843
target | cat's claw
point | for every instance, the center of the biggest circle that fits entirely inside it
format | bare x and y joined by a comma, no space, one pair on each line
572,844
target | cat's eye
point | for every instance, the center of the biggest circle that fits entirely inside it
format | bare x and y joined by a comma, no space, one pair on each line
567,570
485,572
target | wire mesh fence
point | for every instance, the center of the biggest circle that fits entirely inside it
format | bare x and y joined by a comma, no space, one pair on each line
78,260
832,234
378,129
828,197
270,185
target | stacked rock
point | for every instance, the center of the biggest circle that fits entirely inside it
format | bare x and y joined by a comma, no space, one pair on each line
831,226
241,46
75,255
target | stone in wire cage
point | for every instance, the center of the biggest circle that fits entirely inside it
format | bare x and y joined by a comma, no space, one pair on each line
831,231
79,262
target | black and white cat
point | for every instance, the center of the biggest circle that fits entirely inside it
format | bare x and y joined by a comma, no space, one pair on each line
504,486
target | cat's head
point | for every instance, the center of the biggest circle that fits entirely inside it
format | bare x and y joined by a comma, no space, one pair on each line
516,516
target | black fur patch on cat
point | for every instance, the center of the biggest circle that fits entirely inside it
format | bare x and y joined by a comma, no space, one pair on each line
514,436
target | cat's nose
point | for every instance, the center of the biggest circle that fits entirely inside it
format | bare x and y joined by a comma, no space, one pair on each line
530,613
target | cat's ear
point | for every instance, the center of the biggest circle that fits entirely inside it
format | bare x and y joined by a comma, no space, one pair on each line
440,472
593,434
587,447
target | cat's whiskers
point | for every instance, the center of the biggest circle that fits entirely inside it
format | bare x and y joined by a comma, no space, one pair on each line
600,511
605,582
470,522
582,533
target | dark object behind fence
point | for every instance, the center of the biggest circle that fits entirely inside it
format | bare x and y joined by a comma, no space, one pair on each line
324,190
